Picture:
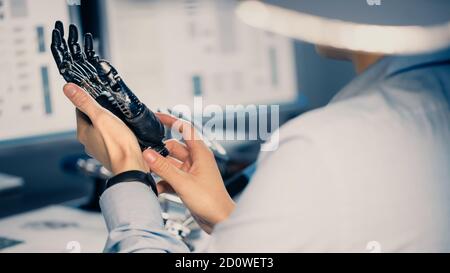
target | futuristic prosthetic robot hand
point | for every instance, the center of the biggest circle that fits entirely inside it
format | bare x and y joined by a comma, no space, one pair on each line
102,81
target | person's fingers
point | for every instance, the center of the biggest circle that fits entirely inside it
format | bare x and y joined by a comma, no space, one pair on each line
82,126
83,120
164,168
182,126
174,161
82,100
166,119
177,163
193,140
184,166
178,150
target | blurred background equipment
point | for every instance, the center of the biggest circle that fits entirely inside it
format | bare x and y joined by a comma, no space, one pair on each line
182,49
170,52
37,127
30,103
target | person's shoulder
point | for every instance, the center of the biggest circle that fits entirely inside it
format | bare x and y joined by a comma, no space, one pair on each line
335,118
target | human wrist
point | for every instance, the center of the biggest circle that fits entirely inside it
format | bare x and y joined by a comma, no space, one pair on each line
118,171
132,176
128,165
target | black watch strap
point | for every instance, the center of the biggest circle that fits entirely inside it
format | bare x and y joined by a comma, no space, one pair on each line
132,176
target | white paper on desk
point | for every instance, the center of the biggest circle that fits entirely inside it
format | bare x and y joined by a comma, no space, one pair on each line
55,229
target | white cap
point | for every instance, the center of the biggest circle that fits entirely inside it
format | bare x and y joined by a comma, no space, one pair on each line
376,26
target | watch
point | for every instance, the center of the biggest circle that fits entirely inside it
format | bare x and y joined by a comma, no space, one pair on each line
132,176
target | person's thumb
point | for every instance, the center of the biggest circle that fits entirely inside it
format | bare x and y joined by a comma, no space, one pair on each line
82,100
162,167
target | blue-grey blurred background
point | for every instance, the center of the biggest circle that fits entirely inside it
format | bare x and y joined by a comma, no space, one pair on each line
41,160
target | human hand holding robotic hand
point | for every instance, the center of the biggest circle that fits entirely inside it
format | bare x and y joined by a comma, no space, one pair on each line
114,137
191,172
103,83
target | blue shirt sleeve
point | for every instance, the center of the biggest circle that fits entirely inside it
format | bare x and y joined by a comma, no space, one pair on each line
133,218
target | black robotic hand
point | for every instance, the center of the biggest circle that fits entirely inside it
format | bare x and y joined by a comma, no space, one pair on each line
102,81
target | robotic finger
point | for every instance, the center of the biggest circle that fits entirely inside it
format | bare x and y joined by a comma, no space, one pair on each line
89,48
65,65
78,55
61,45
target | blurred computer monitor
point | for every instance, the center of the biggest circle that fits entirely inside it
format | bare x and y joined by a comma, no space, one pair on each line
169,52
31,101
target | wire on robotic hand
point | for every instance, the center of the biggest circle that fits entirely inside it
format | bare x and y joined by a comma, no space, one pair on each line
102,81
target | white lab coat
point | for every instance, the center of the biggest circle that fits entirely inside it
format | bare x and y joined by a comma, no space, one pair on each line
368,172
